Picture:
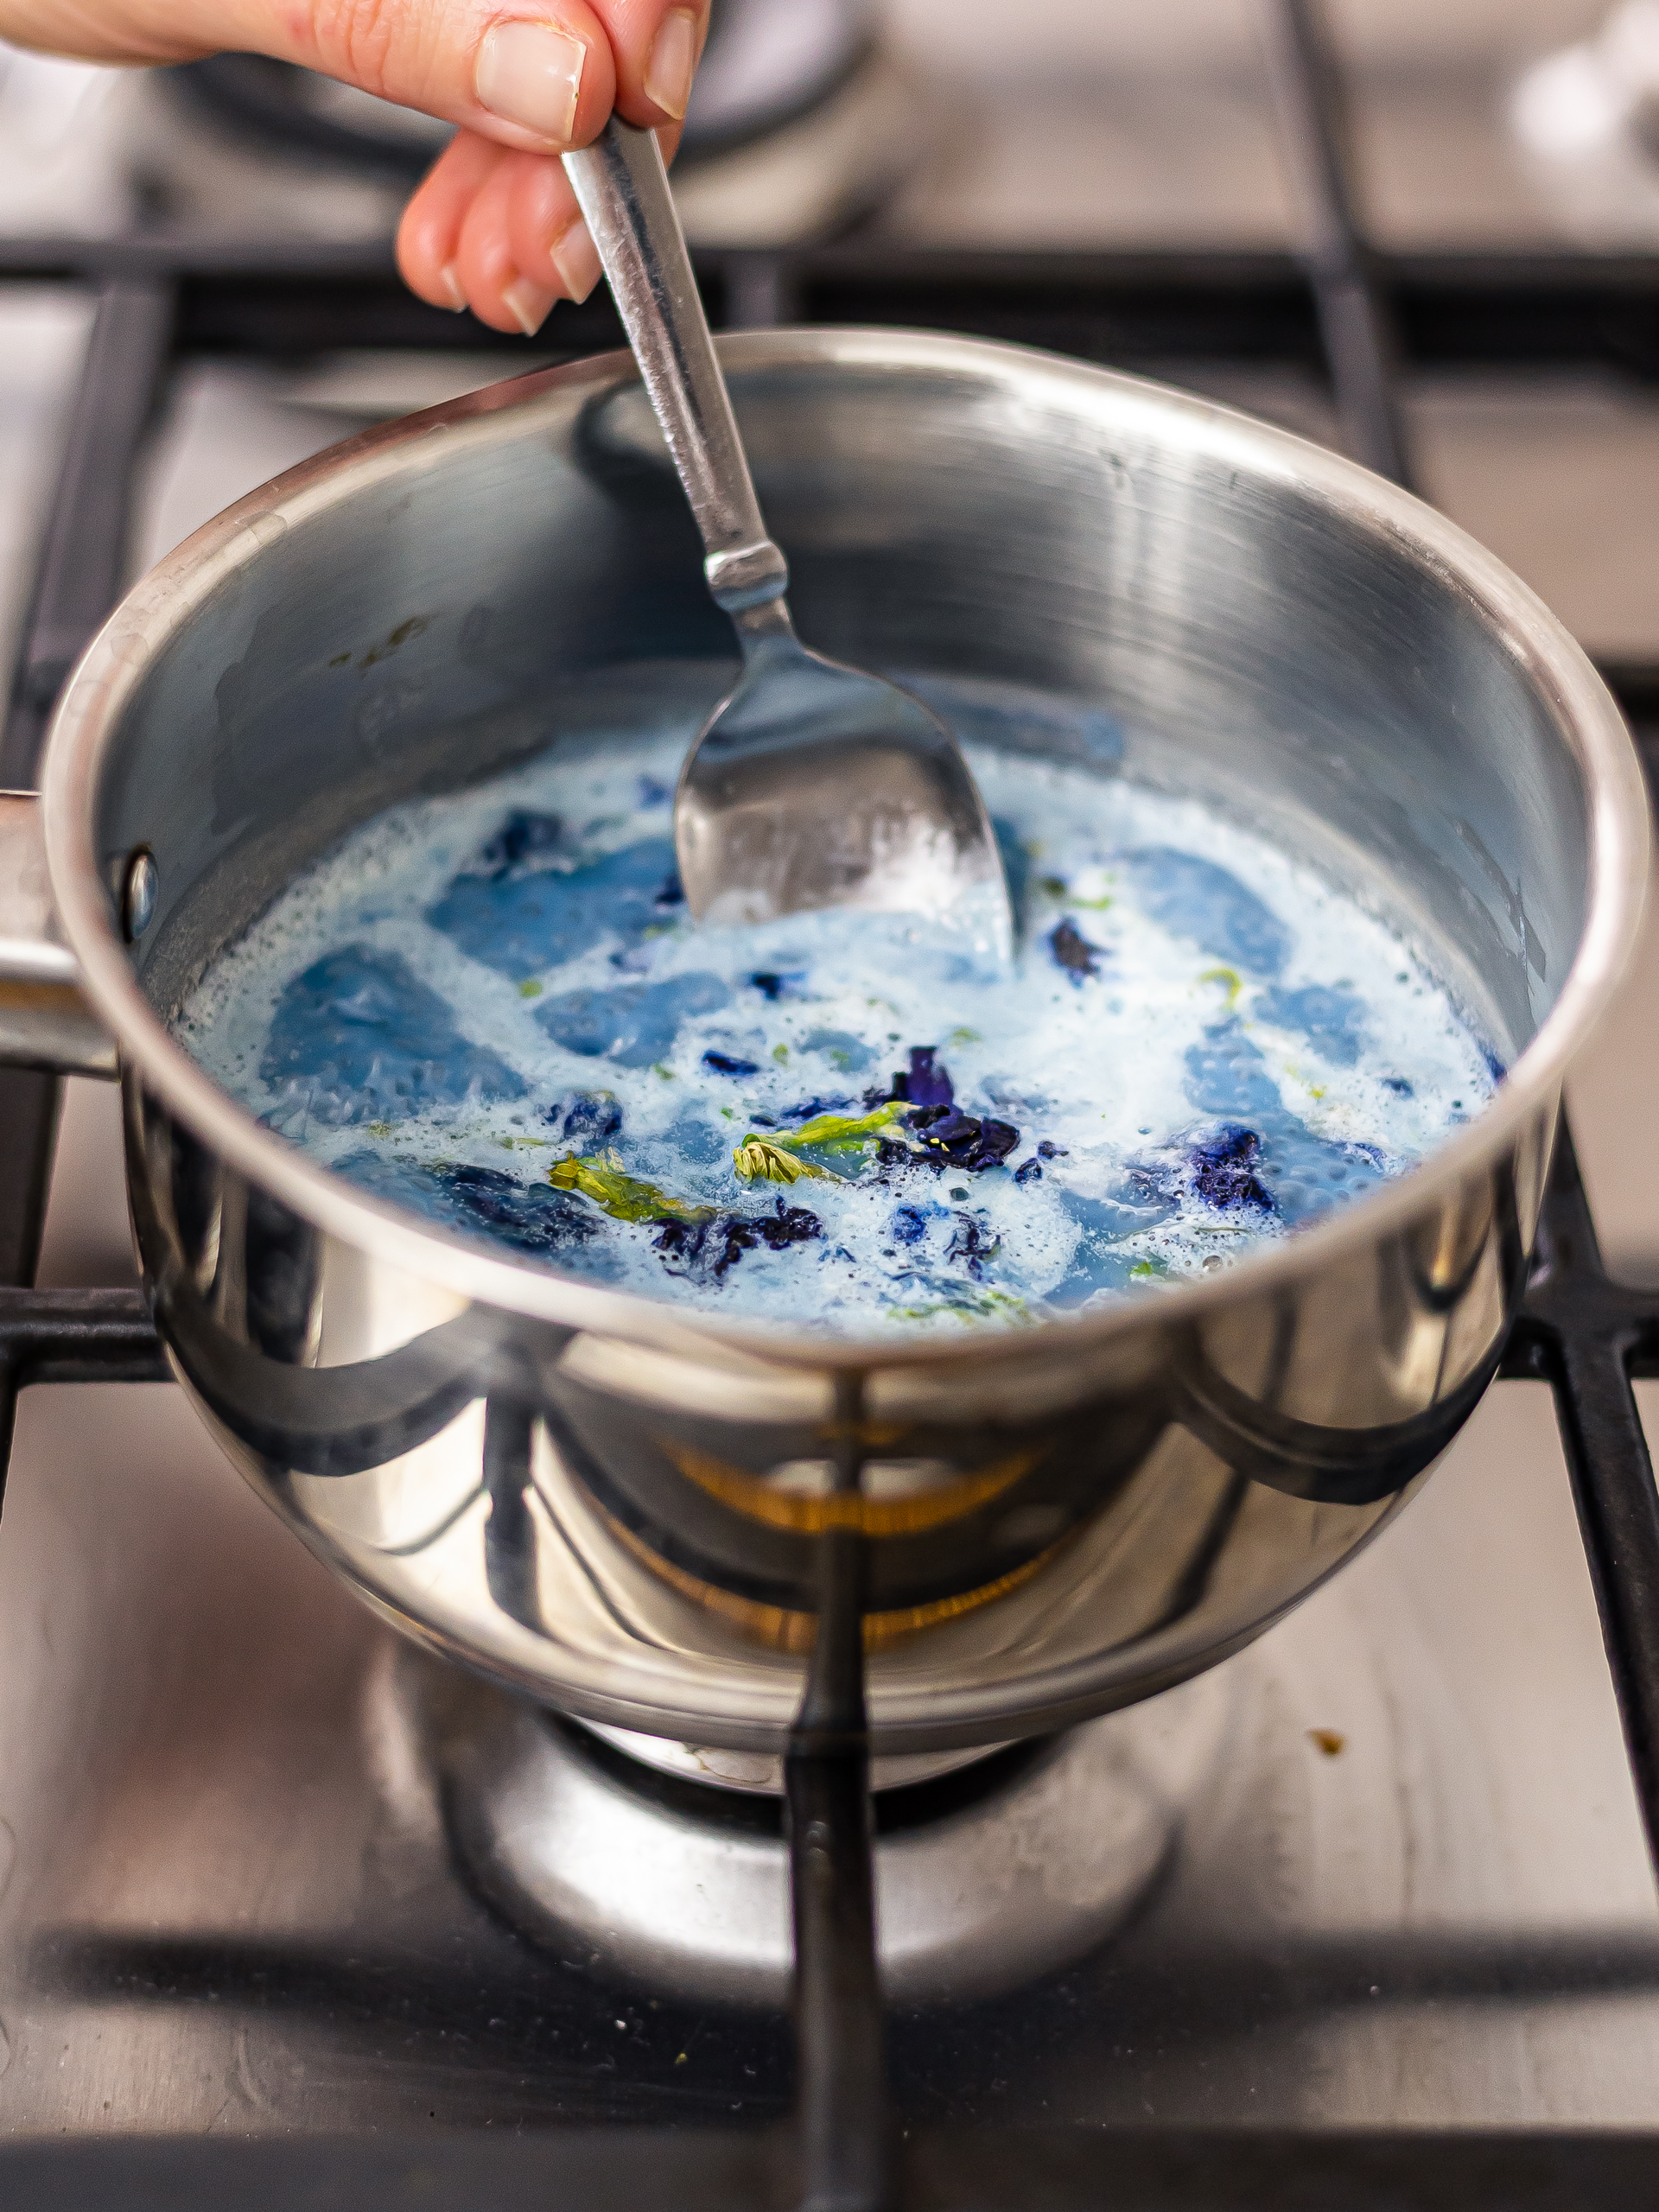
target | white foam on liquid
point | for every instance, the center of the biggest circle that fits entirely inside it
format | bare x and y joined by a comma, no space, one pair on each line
1096,1068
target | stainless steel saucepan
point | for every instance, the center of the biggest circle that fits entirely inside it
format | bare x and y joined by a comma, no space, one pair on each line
619,1506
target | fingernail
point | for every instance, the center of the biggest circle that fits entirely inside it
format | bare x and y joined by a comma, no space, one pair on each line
450,277
673,63
527,304
575,257
530,74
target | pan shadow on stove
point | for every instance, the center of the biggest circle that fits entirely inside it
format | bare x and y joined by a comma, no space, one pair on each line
536,2041
431,2006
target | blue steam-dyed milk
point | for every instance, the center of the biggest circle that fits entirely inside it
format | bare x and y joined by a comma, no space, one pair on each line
492,1009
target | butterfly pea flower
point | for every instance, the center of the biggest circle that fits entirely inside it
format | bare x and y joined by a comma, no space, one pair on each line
588,1122
1073,950
923,1084
774,984
1223,1170
709,1248
972,1243
523,836
960,1139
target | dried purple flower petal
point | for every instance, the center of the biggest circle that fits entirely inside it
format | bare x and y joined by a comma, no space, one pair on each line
587,1122
972,1243
996,1140
724,1063
959,1140
925,1084
521,837
922,1084
778,983
1031,1172
1223,1169
789,1225
707,1248
1074,952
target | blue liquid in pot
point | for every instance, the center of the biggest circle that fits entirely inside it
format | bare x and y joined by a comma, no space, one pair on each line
491,1010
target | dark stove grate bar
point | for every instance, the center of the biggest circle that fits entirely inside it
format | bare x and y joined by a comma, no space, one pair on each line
286,300
79,577
843,2137
1356,320
1588,1337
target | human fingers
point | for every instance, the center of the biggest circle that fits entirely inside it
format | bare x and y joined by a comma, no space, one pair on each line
525,243
656,46
547,238
544,252
497,231
97,30
498,290
428,235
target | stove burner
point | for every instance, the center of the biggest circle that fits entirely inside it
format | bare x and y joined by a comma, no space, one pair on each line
761,1773
767,64
986,1877
285,109
799,123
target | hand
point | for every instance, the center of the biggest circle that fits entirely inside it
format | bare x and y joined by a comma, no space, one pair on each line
494,224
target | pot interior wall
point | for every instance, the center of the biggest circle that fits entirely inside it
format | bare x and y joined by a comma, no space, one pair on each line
460,595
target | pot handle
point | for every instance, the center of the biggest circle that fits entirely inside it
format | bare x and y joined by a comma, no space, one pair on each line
45,1021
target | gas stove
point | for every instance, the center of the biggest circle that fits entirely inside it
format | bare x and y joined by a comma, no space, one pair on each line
292,1913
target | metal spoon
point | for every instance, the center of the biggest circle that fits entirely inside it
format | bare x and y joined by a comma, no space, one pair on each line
812,785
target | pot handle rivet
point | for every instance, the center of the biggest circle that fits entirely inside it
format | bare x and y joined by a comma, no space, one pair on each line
138,894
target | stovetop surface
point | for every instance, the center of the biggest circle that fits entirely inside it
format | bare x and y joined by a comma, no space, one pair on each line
1412,1890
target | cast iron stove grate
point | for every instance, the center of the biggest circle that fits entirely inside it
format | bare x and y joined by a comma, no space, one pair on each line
1341,309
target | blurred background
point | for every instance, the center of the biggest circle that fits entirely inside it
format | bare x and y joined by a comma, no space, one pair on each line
1479,125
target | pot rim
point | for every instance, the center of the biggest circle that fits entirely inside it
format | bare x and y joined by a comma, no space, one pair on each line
158,606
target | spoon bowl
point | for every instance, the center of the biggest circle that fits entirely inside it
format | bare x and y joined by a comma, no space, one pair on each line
813,785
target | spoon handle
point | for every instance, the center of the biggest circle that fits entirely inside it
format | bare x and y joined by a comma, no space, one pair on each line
622,188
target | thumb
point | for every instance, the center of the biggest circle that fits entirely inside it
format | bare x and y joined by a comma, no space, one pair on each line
540,76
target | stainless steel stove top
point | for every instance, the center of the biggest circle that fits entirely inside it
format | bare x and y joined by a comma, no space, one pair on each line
1399,1877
